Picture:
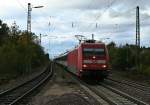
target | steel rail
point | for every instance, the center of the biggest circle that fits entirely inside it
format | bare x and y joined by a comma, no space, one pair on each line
86,87
132,84
136,101
125,99
14,95
20,85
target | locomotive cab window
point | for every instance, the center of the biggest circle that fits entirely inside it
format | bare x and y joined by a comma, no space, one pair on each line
93,51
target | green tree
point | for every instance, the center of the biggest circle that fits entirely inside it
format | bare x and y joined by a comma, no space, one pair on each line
4,32
20,53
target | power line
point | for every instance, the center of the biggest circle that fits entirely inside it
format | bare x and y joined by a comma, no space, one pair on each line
88,7
21,5
109,6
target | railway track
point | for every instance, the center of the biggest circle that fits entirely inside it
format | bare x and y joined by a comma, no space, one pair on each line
14,95
112,96
119,97
139,91
108,95
132,84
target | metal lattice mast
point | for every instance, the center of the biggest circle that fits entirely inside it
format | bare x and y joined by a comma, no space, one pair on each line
29,18
137,27
137,39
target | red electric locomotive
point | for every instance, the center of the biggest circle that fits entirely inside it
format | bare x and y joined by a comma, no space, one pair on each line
90,58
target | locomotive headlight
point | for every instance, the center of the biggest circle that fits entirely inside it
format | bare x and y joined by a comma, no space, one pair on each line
104,66
84,65
94,57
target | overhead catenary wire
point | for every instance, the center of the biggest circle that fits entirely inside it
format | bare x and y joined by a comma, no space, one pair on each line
96,24
21,5
98,16
75,24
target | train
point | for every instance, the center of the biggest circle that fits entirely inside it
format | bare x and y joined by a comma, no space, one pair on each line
89,59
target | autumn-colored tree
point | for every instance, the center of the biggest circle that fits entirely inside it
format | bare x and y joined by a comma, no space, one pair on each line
19,52
4,32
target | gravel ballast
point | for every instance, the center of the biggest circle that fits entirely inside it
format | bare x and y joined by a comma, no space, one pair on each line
62,90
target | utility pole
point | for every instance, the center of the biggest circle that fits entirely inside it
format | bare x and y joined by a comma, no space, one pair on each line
92,36
14,28
72,25
96,25
137,39
29,18
40,39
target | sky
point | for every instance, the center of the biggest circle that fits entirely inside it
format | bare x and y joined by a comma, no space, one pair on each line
60,20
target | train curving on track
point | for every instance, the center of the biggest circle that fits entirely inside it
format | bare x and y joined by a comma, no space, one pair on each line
14,95
90,58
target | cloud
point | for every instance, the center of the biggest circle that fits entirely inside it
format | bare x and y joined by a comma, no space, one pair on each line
114,19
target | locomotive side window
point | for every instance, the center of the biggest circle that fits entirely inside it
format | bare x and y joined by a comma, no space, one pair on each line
93,51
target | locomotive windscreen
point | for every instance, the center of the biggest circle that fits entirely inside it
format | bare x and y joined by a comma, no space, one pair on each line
93,52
